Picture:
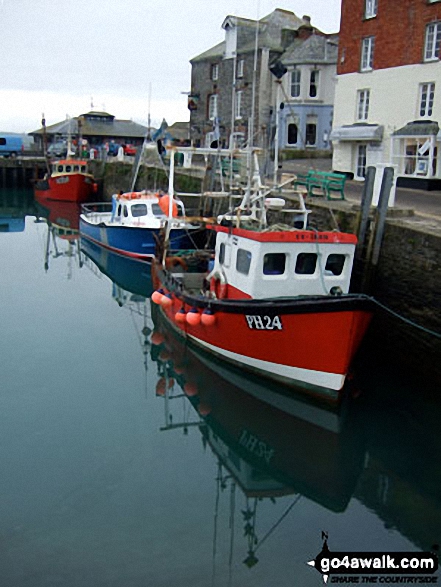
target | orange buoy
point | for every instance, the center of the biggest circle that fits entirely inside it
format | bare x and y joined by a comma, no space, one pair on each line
180,316
190,389
208,318
164,355
166,300
157,296
157,338
164,204
204,409
193,317
161,386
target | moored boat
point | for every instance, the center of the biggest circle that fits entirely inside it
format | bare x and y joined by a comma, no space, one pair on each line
68,181
272,299
134,223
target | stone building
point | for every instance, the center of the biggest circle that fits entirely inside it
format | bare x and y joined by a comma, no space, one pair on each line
388,93
230,78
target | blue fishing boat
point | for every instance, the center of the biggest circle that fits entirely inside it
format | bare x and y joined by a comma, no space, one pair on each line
134,222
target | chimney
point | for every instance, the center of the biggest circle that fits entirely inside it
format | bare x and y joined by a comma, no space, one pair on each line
305,30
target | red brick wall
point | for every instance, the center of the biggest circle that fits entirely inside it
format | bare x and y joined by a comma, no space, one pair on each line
398,28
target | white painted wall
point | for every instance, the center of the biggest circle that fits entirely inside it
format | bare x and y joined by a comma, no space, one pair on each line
394,101
326,85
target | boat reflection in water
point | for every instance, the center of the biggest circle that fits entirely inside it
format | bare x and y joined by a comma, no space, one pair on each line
269,444
62,238
266,443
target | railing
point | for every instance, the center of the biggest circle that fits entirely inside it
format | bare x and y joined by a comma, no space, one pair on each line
97,211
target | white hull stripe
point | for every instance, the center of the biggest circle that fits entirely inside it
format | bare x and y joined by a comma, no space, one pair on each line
323,379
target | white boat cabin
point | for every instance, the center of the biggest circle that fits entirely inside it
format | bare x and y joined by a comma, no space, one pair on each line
281,264
142,208
69,166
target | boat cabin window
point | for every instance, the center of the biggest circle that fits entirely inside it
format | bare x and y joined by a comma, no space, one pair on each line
335,264
156,209
125,212
76,168
60,168
306,263
118,210
180,209
139,210
243,261
68,168
225,254
83,169
274,264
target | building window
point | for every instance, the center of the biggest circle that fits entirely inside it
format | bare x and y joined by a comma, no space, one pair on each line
243,261
370,8
311,134
215,72
295,83
367,54
240,66
313,83
212,106
274,264
433,41
363,104
361,161
293,132
239,104
427,95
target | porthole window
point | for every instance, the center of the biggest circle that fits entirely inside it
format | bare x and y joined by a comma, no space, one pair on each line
335,264
274,264
306,263
243,261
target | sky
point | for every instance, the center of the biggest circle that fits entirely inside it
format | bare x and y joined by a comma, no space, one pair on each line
126,57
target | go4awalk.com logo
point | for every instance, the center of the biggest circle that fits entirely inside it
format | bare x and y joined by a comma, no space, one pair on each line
376,567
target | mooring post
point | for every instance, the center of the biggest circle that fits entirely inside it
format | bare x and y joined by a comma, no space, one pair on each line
366,201
386,186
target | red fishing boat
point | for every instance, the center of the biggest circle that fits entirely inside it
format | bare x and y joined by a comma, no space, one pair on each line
68,181
272,299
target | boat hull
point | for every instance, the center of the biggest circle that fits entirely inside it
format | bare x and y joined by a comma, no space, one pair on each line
131,241
303,341
75,187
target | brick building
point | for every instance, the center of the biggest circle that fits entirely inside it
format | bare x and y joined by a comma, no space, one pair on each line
388,94
227,77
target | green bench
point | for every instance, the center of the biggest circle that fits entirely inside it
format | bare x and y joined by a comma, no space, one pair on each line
226,166
322,183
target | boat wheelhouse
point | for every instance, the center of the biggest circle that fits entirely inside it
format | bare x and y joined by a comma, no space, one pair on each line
69,180
133,223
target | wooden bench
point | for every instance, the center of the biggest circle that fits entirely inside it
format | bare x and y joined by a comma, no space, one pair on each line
322,183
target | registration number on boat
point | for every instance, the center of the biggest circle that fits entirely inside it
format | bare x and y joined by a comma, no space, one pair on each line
263,322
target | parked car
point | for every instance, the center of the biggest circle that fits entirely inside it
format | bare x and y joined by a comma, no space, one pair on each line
130,149
113,149
57,149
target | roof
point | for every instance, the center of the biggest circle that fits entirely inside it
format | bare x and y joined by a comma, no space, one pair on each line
418,128
314,49
179,130
111,127
357,132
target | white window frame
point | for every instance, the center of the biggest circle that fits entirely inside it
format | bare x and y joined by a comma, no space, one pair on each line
363,98
432,42
367,54
240,68
238,113
295,84
426,99
361,157
370,8
214,71
314,80
212,106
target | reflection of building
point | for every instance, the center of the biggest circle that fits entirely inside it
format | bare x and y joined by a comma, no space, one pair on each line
224,82
387,103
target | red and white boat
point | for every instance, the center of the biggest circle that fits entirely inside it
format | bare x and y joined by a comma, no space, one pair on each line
69,181
273,300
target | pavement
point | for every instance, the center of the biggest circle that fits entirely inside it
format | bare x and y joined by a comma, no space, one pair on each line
415,206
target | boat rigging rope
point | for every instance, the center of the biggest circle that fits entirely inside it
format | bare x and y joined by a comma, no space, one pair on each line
274,526
404,319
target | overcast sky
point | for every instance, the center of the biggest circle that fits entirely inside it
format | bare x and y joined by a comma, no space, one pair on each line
61,56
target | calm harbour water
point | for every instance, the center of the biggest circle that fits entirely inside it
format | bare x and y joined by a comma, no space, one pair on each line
128,463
